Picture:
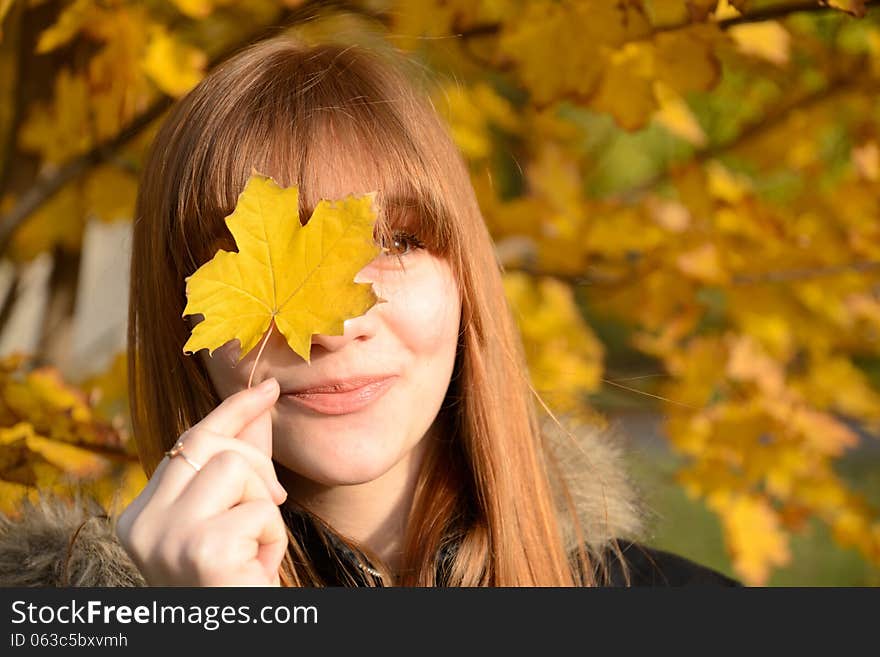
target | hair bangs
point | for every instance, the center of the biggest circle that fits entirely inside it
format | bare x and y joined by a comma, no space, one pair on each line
348,159
337,130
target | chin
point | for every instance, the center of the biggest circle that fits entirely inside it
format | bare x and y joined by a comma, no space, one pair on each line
341,473
340,464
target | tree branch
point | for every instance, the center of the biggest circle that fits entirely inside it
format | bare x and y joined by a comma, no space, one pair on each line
759,126
15,43
806,273
771,13
778,276
49,183
757,16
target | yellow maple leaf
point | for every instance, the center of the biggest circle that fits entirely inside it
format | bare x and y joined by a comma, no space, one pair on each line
625,90
473,113
59,130
173,65
768,40
109,193
60,222
853,7
756,540
71,21
300,277
730,8
583,30
194,8
5,6
564,355
674,114
703,263
29,458
686,61
12,494
726,185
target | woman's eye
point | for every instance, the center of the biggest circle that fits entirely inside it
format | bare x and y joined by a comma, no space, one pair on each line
402,244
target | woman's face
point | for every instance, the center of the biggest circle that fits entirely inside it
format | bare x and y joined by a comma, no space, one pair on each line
410,340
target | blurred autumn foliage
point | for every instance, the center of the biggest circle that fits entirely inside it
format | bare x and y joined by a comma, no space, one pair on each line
690,186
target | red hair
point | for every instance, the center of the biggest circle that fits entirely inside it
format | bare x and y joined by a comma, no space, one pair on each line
490,486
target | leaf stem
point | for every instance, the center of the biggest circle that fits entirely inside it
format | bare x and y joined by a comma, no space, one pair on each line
260,352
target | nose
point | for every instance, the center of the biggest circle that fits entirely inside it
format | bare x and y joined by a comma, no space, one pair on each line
355,330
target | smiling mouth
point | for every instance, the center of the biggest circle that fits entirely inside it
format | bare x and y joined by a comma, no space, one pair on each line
341,402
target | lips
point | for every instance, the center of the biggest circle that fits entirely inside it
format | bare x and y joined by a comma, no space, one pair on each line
339,385
340,397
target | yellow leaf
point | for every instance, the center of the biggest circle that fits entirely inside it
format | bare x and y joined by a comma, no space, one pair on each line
671,215
748,362
37,460
110,193
108,390
854,7
70,22
686,60
174,66
673,13
5,6
61,130
727,9
700,9
768,40
834,382
195,8
118,490
822,432
472,112
704,264
756,540
626,90
300,277
119,88
675,115
581,30
11,496
69,459
60,222
725,185
564,355
866,160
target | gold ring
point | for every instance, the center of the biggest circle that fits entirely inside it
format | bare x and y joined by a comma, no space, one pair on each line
177,450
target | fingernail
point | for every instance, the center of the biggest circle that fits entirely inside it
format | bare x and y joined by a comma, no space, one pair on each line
266,387
280,491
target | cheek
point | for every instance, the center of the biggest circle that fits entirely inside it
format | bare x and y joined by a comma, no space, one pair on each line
227,374
426,314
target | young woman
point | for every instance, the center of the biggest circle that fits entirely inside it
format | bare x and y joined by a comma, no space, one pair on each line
408,450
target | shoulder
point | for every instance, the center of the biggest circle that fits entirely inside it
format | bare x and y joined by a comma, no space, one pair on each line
58,542
649,566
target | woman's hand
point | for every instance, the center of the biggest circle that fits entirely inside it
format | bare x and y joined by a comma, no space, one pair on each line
219,526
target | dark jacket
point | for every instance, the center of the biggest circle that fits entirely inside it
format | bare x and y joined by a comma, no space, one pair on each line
55,543
59,543
651,567
646,566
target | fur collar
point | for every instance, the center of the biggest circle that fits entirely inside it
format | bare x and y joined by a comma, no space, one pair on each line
59,542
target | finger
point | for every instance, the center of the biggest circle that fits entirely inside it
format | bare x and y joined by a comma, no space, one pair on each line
258,433
238,410
224,482
200,446
253,531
